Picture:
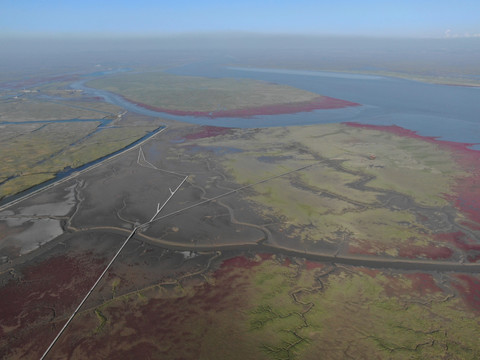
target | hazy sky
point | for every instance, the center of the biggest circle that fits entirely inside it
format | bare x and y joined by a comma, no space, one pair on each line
405,18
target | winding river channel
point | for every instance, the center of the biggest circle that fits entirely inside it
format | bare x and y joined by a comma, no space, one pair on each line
447,112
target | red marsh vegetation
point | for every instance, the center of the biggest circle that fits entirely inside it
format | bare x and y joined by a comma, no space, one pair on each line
174,323
318,103
312,265
31,304
420,285
431,252
187,323
407,249
423,283
462,242
469,288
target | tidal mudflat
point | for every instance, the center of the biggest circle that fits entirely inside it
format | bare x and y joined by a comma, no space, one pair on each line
269,222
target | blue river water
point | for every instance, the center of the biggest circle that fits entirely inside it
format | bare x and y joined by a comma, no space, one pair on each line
447,112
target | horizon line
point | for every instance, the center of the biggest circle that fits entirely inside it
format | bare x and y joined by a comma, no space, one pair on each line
218,34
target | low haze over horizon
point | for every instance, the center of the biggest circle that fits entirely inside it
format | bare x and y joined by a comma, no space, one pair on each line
428,19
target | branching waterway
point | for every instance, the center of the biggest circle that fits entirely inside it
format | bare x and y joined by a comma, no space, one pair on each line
447,112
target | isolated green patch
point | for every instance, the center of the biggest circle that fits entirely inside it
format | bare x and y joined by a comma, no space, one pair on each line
191,93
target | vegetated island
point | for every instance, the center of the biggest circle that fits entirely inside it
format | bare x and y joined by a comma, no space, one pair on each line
214,98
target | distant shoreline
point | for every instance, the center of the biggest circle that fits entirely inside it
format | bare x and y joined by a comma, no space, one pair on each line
436,80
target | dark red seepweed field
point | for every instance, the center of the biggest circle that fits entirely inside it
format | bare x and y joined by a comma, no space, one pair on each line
319,103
